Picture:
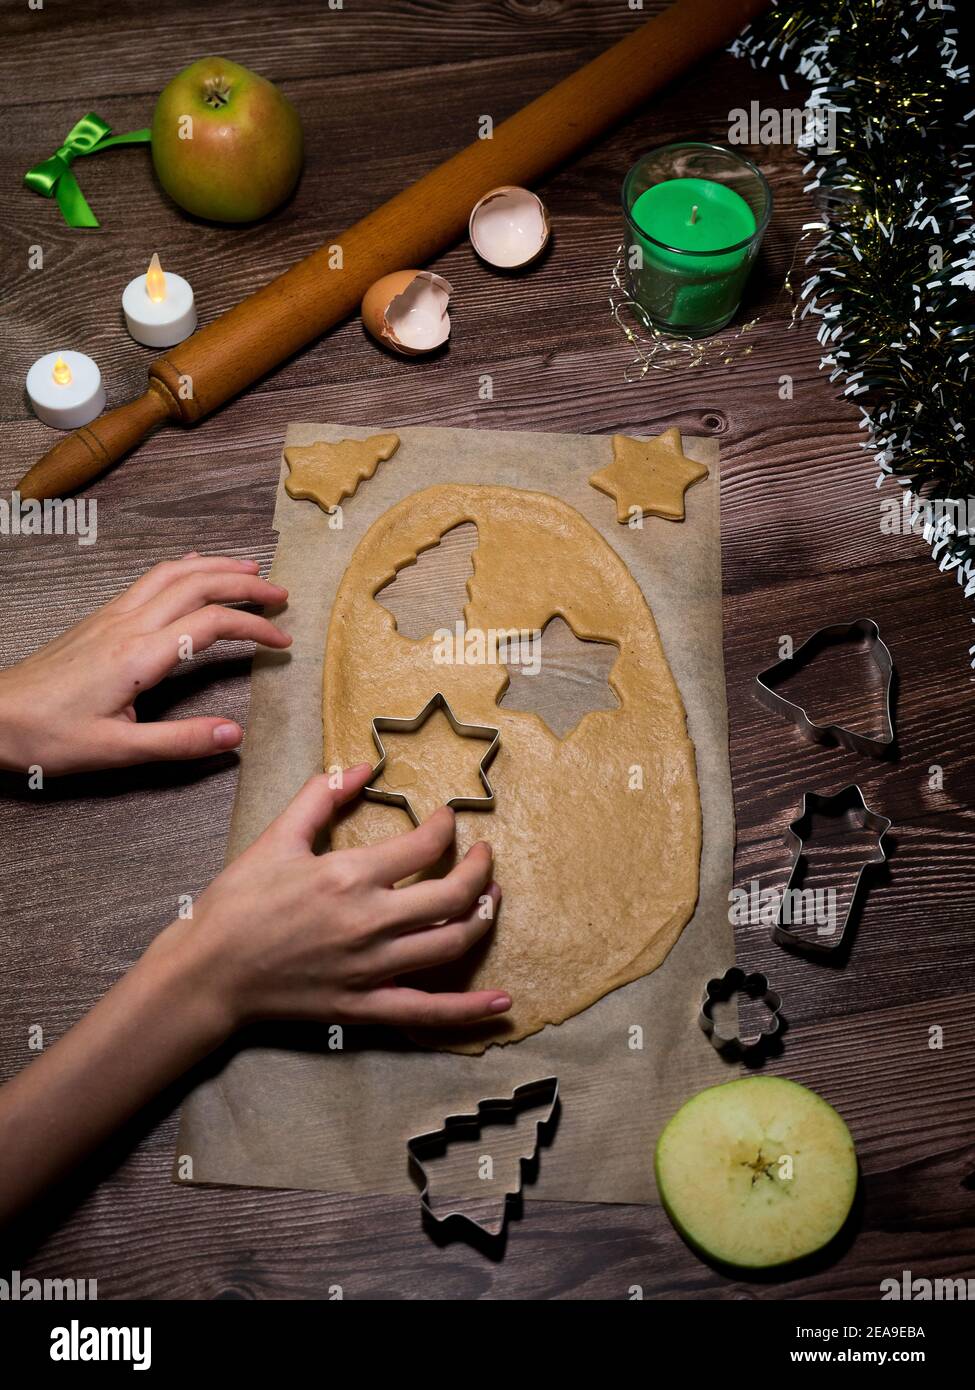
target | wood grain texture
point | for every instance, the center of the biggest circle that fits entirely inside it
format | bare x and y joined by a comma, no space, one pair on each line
93,867
265,328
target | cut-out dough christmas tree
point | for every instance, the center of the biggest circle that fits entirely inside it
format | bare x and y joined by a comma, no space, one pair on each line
648,477
325,473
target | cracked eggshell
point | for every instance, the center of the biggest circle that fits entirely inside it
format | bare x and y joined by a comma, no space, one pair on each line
407,311
509,227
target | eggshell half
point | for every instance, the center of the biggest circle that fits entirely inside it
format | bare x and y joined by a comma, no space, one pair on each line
509,227
407,311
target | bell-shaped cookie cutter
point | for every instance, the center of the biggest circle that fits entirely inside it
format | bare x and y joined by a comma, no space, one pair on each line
422,1147
725,987
882,747
385,724
849,800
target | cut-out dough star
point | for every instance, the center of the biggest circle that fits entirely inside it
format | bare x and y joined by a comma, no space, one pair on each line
648,477
325,473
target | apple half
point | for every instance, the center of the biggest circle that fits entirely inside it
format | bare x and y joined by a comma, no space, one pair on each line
756,1172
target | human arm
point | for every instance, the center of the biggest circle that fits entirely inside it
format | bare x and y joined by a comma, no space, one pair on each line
282,933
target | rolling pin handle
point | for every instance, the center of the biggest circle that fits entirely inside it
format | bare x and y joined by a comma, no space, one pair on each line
81,457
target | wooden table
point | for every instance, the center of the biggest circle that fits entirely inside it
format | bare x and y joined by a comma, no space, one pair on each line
94,866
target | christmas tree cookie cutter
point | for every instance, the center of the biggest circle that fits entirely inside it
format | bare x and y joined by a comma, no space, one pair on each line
725,987
385,724
849,801
765,682
493,1109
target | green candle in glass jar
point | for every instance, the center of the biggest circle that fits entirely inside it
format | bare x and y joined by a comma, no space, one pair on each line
690,246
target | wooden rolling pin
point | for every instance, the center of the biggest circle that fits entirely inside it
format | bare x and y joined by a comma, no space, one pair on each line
265,329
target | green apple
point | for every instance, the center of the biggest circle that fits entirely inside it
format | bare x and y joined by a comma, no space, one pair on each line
756,1172
226,144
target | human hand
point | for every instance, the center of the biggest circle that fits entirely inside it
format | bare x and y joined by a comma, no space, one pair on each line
69,706
284,933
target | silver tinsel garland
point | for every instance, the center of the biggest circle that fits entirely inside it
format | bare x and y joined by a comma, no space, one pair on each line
891,273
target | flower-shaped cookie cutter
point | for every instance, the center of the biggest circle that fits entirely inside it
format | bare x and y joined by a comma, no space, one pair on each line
385,724
848,802
767,680
725,987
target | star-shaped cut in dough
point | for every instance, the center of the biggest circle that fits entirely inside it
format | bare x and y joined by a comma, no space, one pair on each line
325,473
648,477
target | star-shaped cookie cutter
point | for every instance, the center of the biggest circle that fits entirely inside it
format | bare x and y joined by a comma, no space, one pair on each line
850,799
386,724
823,637
725,987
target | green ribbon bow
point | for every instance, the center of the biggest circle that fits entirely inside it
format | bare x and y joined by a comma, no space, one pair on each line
53,177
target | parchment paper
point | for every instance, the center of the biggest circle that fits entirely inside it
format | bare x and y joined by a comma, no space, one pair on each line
300,1114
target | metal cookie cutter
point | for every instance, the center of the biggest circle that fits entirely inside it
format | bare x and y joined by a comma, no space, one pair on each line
423,1147
849,800
833,733
387,725
732,982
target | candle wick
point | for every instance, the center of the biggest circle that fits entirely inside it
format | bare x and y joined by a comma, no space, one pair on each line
693,214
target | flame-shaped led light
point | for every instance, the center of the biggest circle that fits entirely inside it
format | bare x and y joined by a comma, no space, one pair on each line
61,372
155,280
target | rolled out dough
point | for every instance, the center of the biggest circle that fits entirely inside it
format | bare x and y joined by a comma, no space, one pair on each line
597,836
